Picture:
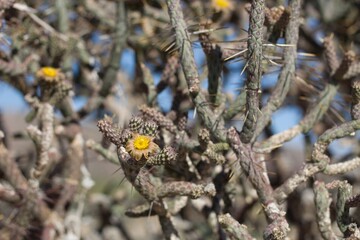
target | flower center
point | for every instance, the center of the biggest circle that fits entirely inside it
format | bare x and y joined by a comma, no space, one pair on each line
49,72
142,142
222,4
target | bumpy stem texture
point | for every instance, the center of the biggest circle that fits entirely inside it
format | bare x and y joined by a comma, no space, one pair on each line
184,44
287,74
253,86
319,159
322,202
233,228
214,123
278,227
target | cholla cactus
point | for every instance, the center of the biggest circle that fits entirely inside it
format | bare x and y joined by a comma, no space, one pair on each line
136,149
138,139
197,151
52,85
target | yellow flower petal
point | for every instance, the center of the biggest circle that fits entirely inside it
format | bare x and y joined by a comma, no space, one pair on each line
142,142
141,145
221,4
49,72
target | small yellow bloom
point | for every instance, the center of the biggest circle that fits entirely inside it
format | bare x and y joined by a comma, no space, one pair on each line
142,142
49,74
220,5
141,145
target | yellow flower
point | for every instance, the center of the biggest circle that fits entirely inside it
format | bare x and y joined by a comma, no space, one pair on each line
50,74
141,145
220,5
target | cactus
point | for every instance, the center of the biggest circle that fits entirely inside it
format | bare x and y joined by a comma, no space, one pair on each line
170,112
